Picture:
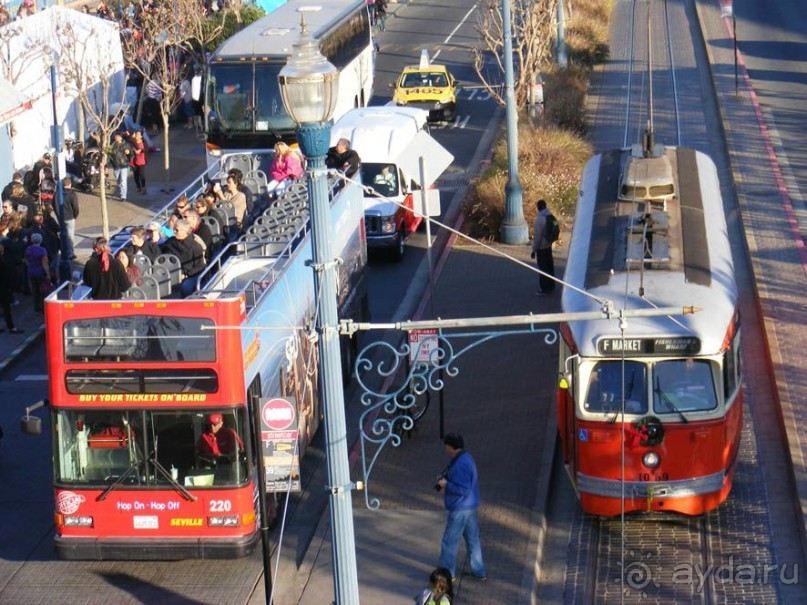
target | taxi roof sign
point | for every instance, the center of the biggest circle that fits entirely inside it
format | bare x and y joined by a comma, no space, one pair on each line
424,59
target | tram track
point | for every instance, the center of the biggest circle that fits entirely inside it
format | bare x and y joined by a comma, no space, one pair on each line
670,558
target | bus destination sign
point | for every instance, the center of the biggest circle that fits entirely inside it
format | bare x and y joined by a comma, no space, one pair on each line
637,347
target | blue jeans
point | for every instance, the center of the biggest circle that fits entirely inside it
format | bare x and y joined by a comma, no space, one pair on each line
462,523
70,225
122,176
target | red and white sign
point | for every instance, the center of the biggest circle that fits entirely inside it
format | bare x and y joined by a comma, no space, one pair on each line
422,345
67,502
278,414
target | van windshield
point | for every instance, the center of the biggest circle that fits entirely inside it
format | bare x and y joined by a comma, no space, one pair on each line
381,177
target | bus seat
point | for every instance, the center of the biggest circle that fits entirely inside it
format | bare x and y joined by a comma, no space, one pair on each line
136,293
78,343
162,276
244,162
142,262
149,284
171,262
118,342
251,244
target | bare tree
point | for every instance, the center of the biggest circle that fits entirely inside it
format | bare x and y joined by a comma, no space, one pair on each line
156,52
91,69
533,40
201,28
17,51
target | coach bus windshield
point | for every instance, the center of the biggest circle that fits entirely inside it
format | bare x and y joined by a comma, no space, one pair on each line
150,448
245,98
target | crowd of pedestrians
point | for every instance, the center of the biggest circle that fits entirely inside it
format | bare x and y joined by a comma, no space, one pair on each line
31,238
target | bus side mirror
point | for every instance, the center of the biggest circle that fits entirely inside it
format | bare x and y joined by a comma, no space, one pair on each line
32,425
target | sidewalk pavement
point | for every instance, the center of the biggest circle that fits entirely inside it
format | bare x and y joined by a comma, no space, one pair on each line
187,152
505,411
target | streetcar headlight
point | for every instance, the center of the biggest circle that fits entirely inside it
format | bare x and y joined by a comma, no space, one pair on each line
226,521
651,460
76,521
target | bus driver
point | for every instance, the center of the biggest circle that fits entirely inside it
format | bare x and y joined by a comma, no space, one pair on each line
218,440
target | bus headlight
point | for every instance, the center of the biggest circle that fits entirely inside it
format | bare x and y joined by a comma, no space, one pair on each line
76,521
226,521
651,460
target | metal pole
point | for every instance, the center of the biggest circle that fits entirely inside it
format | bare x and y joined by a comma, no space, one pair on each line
734,31
64,261
562,57
514,226
314,140
255,409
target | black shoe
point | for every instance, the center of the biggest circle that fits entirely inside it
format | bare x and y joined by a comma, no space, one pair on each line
15,331
480,578
73,257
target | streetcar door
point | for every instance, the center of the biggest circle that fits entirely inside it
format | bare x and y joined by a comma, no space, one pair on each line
566,414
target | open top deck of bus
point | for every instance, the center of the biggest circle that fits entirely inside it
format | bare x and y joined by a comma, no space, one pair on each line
651,232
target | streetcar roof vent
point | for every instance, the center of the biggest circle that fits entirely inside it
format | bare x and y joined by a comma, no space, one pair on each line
647,178
644,240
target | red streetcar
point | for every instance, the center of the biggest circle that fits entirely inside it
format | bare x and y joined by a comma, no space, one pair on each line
136,383
650,412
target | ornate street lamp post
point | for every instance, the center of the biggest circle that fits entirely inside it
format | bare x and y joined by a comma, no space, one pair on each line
308,85
514,227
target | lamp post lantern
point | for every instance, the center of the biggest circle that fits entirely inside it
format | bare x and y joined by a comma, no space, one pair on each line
308,86
514,225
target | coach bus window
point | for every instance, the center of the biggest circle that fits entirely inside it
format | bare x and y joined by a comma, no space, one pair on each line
230,97
139,338
605,387
271,114
683,385
142,448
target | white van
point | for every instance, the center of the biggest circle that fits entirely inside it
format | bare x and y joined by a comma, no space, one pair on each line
390,141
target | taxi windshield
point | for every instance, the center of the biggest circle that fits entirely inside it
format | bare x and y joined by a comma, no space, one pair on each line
423,78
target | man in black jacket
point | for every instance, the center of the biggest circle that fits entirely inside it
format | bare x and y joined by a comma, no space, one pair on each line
343,158
70,215
190,254
200,230
141,244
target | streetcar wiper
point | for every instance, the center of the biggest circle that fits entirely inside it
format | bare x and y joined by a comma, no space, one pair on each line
183,492
667,401
103,495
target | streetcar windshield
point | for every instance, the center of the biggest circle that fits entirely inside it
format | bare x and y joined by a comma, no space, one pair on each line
605,390
151,448
683,385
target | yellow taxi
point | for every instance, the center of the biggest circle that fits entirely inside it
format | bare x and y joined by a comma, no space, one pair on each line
427,86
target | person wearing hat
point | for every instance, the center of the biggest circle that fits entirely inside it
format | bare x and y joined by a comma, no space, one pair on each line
38,267
217,441
460,485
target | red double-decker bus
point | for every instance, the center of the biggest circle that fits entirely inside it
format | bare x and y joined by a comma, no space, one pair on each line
136,386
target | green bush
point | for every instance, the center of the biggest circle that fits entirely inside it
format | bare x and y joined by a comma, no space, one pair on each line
553,151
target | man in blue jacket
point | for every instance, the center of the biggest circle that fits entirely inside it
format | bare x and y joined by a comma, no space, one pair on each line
460,485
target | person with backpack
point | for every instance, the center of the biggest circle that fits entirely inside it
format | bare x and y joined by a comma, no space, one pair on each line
546,231
120,157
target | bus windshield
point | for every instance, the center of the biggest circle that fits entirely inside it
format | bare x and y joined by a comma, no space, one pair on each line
245,98
683,385
147,448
